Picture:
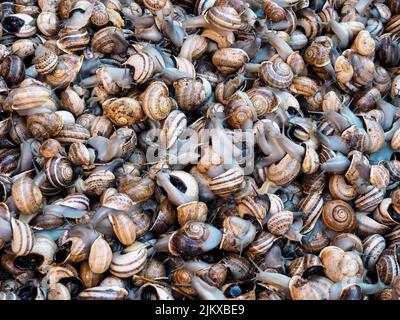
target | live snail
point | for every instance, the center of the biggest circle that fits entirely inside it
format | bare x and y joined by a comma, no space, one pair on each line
200,149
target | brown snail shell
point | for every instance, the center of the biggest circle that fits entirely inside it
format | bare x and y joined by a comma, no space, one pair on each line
99,15
223,18
59,172
306,266
240,111
123,111
373,248
98,182
50,148
123,227
276,73
388,267
339,216
100,256
108,40
143,66
194,238
368,202
79,154
70,40
285,171
229,60
262,243
72,133
44,125
310,163
227,182
138,189
312,206
165,218
191,93
379,176
156,102
26,195
22,239
339,264
130,261
249,206
280,222
238,234
103,293
264,100
45,60
192,211
72,102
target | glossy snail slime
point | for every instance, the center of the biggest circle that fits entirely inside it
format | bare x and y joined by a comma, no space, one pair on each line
200,149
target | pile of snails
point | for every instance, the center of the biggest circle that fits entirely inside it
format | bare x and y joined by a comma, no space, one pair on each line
123,169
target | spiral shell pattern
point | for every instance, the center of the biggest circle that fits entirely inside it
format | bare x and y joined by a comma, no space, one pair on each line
277,73
339,216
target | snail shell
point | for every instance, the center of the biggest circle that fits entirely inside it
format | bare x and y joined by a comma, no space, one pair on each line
193,239
70,40
379,176
285,171
114,200
165,218
310,163
143,66
72,133
138,189
156,102
373,248
45,60
27,196
98,182
238,266
123,111
315,288
280,222
72,102
306,266
227,182
250,206
22,239
103,293
229,60
44,125
124,228
317,54
387,267
108,40
240,111
386,214
312,206
223,18
172,128
276,73
50,148
192,93
262,243
59,172
130,261
264,100
79,154
339,216
100,256
369,201
99,15
339,264
238,234
192,211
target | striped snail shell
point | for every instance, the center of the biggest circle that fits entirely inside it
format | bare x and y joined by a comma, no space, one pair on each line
387,266
70,40
339,216
238,234
223,18
312,206
280,222
130,261
227,182
45,60
26,195
306,266
276,73
193,239
59,172
264,100
22,239
373,248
